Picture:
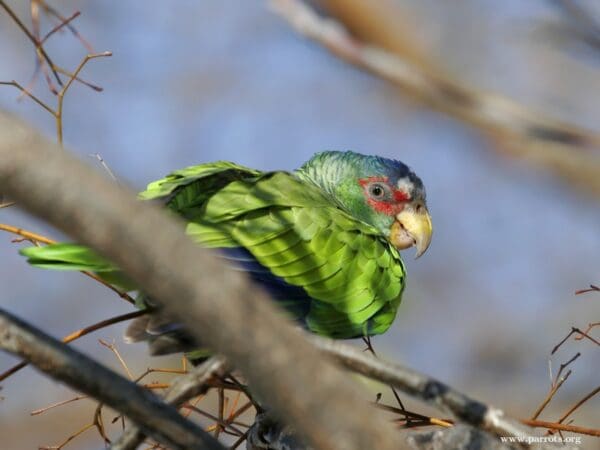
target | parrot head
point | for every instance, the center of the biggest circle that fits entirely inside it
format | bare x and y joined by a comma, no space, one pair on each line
382,192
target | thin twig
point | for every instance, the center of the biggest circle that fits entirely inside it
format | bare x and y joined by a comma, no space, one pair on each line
578,404
36,43
592,288
64,90
106,167
219,422
562,427
30,95
550,395
563,366
39,411
113,348
182,389
587,330
53,12
415,416
62,24
69,439
240,441
574,330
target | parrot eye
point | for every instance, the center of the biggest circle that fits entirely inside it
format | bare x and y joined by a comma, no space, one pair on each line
377,191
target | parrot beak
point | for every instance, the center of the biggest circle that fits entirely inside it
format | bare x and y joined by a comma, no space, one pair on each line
412,227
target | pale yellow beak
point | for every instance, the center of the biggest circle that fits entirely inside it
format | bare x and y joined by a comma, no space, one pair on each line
412,227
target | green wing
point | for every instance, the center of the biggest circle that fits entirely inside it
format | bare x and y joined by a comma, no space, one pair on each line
351,273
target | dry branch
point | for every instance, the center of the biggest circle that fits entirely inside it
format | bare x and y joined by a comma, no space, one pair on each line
426,388
78,334
63,363
183,389
39,48
219,306
384,49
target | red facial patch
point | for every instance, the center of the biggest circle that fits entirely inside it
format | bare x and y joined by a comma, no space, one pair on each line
388,207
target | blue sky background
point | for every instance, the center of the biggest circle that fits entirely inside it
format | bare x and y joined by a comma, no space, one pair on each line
192,82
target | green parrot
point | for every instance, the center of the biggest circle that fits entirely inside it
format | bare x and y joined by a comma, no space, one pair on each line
323,240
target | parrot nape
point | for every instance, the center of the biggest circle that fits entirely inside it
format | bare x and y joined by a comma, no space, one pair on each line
323,240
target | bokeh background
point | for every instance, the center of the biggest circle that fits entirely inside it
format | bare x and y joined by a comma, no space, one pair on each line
196,81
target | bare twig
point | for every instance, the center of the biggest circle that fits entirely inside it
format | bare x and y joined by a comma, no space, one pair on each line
64,90
587,330
563,366
38,47
58,114
58,27
420,418
220,423
578,404
106,167
39,411
29,235
69,439
113,348
54,358
550,395
592,288
562,427
183,389
577,331
30,95
53,12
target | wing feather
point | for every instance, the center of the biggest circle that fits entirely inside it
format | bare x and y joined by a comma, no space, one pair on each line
349,272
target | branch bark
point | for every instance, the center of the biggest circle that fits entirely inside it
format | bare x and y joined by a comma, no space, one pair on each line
428,389
183,389
219,307
63,363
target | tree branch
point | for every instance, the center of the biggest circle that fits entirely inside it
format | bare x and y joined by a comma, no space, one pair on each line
183,389
219,307
63,363
426,388
384,49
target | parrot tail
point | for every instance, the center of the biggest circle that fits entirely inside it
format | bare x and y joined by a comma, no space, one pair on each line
63,256
66,256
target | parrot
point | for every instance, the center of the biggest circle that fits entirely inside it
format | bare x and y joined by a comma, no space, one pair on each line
324,240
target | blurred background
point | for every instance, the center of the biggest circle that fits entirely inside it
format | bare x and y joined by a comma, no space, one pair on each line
197,81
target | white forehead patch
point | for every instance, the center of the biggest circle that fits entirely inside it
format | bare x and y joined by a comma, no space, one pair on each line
405,185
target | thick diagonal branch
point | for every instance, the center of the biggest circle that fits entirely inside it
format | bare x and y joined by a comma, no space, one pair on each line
426,388
218,306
